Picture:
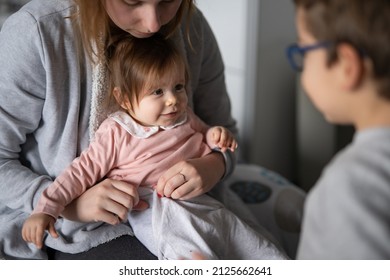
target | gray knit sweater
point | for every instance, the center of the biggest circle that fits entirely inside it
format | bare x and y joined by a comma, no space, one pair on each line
49,108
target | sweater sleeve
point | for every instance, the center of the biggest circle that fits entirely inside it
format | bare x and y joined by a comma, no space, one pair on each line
211,101
228,156
44,108
85,171
22,99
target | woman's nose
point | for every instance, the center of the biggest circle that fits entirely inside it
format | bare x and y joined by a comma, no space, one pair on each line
152,21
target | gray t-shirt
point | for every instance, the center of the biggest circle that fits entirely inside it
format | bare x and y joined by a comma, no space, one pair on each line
347,213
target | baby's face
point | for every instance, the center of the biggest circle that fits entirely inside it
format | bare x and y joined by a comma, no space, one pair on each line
163,101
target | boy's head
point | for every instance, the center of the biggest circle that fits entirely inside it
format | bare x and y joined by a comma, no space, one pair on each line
352,40
147,76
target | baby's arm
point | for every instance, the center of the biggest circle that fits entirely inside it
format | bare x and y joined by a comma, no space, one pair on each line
35,226
222,138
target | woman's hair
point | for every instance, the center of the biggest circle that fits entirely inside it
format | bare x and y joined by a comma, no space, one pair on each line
135,63
96,28
364,24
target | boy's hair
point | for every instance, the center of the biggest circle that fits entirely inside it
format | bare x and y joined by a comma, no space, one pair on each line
364,24
135,63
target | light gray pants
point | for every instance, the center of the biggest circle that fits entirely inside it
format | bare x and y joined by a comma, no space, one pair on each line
174,229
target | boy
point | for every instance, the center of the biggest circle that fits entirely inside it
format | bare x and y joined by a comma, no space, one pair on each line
345,55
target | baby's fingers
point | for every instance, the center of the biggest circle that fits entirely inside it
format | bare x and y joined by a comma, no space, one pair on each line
227,141
25,234
233,146
52,231
219,138
31,234
216,135
37,236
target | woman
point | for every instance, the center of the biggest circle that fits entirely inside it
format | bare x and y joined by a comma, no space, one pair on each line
52,83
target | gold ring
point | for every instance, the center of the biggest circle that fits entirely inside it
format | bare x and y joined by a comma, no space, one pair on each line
184,177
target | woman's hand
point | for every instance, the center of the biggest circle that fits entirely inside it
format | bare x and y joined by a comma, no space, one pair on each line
109,201
191,178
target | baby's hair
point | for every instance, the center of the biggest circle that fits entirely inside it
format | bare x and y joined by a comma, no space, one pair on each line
135,62
364,24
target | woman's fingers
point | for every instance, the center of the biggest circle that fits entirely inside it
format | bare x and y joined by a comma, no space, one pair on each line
183,180
142,205
172,182
108,201
116,201
123,194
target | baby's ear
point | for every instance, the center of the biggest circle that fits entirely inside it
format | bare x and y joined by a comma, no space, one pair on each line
120,99
351,66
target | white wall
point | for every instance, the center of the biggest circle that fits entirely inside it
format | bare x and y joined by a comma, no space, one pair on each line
253,35
228,17
273,143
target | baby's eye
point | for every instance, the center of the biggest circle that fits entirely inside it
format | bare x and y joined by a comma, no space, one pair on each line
158,92
179,87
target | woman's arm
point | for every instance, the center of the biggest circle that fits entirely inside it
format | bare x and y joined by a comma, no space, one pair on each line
211,101
22,90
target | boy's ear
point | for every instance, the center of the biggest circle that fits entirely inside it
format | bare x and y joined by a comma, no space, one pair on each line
122,101
351,65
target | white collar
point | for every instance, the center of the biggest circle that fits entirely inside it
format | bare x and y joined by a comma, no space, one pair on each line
138,130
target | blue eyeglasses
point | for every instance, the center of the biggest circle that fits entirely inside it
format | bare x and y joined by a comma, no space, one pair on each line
296,54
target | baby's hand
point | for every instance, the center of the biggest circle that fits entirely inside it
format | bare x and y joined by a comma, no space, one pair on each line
222,138
35,226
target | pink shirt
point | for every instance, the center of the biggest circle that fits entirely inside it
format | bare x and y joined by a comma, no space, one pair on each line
124,150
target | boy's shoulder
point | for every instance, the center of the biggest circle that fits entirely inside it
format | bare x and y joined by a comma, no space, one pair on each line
362,162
